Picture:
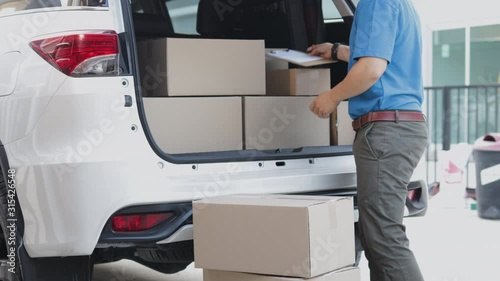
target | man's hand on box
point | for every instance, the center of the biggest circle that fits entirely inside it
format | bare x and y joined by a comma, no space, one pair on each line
325,104
323,50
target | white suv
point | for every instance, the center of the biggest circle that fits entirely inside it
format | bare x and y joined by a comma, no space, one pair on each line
82,180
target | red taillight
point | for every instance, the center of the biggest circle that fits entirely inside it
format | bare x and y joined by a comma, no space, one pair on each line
81,54
133,223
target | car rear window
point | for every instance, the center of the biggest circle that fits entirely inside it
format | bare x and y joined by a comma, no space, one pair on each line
10,6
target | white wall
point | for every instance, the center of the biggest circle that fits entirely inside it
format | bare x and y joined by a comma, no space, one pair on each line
446,14
451,14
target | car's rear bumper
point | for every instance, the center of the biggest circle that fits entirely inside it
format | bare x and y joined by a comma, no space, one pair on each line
66,206
179,228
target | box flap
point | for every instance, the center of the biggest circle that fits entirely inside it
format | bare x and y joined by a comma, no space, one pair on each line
271,200
259,201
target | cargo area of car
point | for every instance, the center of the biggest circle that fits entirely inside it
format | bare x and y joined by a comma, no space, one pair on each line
214,96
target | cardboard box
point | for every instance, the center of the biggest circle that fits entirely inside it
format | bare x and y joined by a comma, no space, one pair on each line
202,67
294,236
283,122
201,124
342,132
297,82
345,274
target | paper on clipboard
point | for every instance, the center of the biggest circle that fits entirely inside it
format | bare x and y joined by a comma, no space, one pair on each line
297,57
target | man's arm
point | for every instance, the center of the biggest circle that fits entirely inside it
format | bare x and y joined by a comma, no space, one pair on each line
363,75
324,50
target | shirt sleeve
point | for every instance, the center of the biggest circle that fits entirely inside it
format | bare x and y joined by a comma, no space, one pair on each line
376,29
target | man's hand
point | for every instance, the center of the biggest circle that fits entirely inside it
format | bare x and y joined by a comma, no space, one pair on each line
325,104
363,75
323,50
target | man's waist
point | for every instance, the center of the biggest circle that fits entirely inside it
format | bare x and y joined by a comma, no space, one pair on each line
388,116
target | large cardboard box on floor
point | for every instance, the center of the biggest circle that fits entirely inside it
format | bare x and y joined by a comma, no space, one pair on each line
283,123
342,132
297,82
195,124
345,274
294,236
202,67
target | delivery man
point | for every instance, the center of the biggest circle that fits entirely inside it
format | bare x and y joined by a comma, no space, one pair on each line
385,92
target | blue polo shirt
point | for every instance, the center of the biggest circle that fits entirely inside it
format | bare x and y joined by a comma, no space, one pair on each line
388,29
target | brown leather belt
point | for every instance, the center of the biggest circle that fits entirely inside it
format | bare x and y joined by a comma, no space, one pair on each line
392,115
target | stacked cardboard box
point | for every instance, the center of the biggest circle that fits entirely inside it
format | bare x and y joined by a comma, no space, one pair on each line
297,82
195,124
284,81
283,122
282,119
196,88
275,237
202,67
309,81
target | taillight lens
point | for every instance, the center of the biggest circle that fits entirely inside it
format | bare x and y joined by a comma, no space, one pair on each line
134,223
81,54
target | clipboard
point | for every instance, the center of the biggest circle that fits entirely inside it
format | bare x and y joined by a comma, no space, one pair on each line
298,57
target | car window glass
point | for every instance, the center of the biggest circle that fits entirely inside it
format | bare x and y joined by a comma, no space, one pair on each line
330,11
183,14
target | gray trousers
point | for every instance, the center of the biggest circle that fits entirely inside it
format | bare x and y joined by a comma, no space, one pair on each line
386,154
